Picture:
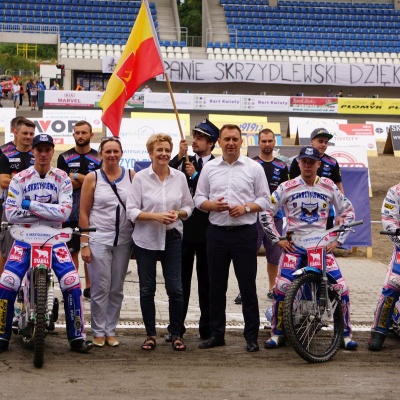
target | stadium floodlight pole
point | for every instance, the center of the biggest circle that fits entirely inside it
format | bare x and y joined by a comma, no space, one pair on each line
171,93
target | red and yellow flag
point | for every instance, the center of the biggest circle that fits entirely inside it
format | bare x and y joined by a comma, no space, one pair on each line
140,61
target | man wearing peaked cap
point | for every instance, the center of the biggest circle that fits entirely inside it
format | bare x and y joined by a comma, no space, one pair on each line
205,135
42,138
329,167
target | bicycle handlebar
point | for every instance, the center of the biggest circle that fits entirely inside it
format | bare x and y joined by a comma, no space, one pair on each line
391,233
79,229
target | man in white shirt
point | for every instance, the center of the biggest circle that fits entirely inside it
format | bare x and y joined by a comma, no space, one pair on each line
233,189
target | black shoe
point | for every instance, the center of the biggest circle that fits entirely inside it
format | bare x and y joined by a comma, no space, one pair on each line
238,299
81,345
252,346
205,335
212,342
86,293
376,341
4,345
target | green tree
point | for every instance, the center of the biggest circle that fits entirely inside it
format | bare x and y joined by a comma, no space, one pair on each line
190,16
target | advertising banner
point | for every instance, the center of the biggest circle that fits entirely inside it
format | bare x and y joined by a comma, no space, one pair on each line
392,145
368,106
6,115
162,101
307,125
356,135
288,73
250,125
381,129
313,104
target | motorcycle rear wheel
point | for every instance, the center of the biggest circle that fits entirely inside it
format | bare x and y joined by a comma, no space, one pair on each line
315,336
41,301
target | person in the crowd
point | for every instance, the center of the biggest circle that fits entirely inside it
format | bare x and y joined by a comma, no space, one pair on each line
103,206
233,189
42,196
390,215
306,200
157,203
194,243
329,167
77,162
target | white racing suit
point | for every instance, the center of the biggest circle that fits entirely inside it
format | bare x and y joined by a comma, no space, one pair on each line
306,208
50,204
391,287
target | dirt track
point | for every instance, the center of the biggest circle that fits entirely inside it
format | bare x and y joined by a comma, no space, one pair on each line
226,372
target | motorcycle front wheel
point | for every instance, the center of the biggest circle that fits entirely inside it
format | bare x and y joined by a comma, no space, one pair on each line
316,336
41,301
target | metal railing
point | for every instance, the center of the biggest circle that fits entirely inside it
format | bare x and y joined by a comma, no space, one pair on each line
29,28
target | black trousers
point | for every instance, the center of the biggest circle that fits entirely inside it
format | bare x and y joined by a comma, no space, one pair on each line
239,245
189,251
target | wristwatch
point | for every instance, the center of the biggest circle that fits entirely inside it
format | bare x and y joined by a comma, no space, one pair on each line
83,245
247,209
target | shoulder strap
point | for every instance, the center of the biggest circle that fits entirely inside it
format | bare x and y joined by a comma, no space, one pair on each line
113,187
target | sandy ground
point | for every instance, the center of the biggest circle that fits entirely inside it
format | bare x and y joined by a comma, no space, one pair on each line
227,372
127,372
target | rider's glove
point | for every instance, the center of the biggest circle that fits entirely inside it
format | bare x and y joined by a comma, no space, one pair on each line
25,204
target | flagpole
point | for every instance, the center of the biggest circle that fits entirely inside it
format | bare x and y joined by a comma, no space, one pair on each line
176,111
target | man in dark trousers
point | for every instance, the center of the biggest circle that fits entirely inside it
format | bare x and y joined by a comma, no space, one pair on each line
194,228
233,189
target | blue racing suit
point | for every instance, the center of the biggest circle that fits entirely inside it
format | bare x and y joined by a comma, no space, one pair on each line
390,215
34,200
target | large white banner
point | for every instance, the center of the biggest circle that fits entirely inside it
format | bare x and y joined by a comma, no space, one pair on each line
199,71
304,126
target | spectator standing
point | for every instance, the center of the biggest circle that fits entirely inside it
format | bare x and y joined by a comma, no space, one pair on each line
146,89
233,188
14,160
329,167
1,95
55,85
28,90
15,89
157,203
21,93
103,205
77,162
205,136
33,91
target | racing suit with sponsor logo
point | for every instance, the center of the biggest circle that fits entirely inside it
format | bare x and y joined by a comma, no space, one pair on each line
391,288
306,208
40,200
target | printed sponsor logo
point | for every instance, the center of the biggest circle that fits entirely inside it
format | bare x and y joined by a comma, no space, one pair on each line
315,258
62,255
74,164
78,323
289,261
9,280
395,281
3,316
40,256
69,280
388,206
390,200
387,305
11,160
16,254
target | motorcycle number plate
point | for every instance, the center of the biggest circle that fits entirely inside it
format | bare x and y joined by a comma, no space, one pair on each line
40,256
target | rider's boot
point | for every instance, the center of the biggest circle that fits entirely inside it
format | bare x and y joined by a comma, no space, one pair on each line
349,343
81,345
376,341
274,342
4,345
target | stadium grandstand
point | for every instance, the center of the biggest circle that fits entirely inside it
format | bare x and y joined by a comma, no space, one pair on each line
87,31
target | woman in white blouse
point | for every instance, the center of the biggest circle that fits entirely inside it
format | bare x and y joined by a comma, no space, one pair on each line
157,203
